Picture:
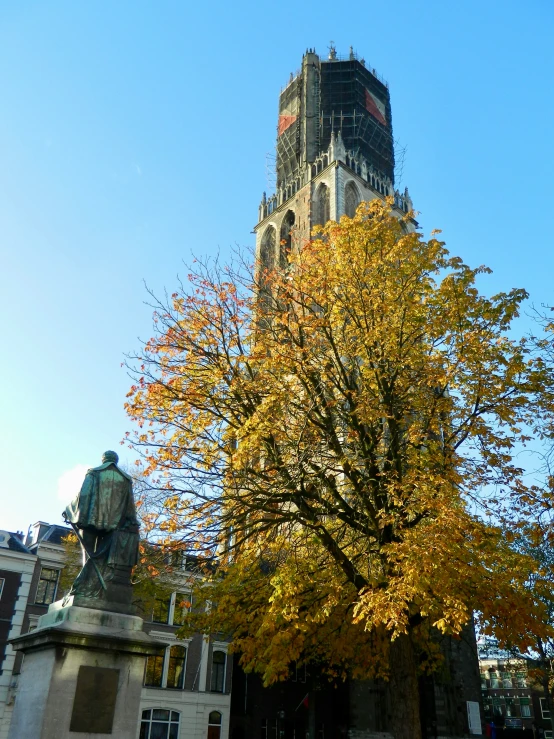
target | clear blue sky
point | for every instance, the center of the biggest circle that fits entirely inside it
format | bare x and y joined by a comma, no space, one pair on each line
135,133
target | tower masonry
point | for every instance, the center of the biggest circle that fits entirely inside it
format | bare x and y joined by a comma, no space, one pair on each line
335,149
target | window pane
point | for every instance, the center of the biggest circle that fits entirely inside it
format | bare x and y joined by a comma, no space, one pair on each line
160,611
182,607
159,730
215,718
218,671
176,667
160,714
174,731
525,711
46,589
146,714
145,730
153,674
175,715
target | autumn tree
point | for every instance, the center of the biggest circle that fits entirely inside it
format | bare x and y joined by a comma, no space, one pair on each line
345,446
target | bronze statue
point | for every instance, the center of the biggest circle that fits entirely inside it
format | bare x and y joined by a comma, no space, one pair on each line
104,519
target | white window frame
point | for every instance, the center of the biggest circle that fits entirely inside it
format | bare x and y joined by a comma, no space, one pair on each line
219,647
161,708
2,583
167,653
545,713
172,603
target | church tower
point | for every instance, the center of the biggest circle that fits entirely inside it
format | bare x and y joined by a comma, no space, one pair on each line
335,149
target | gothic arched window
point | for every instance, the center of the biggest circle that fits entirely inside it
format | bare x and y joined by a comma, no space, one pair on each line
322,205
267,250
351,199
286,236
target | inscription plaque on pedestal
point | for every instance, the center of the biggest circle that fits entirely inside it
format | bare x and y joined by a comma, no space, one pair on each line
94,702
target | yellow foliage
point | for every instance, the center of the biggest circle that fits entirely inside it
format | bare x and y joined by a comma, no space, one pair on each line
335,432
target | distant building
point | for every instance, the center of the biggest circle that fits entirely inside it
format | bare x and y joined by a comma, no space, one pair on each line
191,683
510,697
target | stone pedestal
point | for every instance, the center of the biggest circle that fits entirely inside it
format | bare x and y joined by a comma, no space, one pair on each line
82,674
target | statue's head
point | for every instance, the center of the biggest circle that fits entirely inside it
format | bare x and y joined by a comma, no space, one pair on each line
110,456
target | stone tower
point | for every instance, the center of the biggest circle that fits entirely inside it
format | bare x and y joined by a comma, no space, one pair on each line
334,150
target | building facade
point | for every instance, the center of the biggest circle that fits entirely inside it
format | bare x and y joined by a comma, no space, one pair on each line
187,691
29,577
511,698
17,567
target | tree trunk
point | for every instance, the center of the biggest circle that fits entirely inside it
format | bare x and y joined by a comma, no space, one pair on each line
404,690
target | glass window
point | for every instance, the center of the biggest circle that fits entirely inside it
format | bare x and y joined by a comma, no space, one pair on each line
525,707
544,708
506,680
176,667
47,586
351,199
2,581
159,723
267,249
181,608
483,681
154,671
521,679
548,734
496,707
160,611
322,205
218,671
495,680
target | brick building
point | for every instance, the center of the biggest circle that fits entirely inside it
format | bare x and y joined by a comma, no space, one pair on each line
510,697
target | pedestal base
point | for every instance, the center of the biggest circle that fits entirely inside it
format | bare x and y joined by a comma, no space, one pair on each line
82,674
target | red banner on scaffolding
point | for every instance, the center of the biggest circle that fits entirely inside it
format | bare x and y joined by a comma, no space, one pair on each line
285,121
375,107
